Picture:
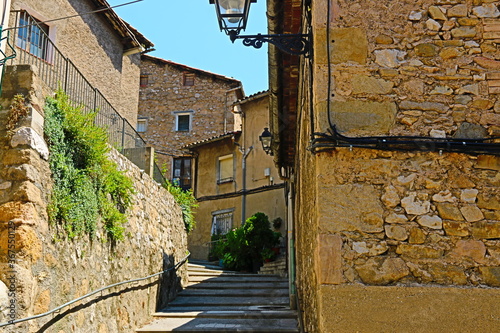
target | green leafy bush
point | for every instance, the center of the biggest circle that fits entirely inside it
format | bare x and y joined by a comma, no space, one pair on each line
188,204
88,186
244,248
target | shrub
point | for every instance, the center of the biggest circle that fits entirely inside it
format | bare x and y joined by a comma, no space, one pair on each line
88,186
244,247
187,201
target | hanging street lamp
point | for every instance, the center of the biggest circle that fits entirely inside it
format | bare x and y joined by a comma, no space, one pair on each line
233,16
266,138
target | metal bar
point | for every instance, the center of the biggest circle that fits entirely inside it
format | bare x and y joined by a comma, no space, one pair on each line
175,267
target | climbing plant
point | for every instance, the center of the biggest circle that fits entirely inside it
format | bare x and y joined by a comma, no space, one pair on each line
88,187
187,201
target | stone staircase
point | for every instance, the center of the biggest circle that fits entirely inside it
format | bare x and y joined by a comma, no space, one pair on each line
223,301
277,267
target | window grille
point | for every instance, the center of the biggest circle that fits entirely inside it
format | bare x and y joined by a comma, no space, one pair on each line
222,223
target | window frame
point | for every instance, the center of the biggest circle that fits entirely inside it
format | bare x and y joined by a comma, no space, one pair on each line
180,180
220,180
142,121
224,213
188,79
177,114
144,80
34,29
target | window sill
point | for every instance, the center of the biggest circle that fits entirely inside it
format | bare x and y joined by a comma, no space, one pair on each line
225,181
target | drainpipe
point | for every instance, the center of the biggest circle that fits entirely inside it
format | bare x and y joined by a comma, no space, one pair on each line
244,183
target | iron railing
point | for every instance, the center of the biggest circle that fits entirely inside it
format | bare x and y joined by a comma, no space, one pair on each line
34,47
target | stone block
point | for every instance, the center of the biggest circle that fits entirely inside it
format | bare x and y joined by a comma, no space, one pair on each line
488,202
424,106
491,275
382,271
472,213
373,117
362,84
454,228
486,230
417,236
470,248
426,50
330,259
351,45
396,232
419,251
449,211
447,274
389,58
457,11
339,209
436,13
487,63
464,32
486,11
431,222
391,197
414,206
26,136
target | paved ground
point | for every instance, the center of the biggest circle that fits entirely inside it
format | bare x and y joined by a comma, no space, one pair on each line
221,301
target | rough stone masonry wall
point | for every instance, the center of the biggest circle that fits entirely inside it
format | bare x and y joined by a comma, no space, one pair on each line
412,68
50,271
208,99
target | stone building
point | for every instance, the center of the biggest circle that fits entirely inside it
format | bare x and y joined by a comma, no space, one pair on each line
388,136
105,50
180,104
40,269
234,177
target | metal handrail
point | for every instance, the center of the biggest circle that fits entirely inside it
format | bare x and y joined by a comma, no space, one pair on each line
58,71
176,266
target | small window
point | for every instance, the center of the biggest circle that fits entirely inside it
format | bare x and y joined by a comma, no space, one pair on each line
226,169
144,81
183,122
188,79
222,221
33,36
182,173
142,125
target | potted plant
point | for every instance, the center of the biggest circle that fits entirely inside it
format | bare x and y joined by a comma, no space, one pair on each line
267,255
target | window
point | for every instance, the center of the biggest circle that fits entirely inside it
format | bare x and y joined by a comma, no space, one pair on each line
225,170
222,221
183,121
142,125
33,36
144,80
182,172
188,79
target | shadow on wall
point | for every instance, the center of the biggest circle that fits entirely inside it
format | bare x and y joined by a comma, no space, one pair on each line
169,285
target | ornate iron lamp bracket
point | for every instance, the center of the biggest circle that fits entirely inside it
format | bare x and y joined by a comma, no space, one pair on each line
296,44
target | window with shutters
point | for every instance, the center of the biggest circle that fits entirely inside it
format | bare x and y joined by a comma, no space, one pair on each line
226,169
182,172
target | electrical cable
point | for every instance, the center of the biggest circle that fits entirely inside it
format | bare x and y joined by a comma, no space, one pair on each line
77,15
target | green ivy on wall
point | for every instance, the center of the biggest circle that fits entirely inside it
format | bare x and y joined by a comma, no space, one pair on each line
88,187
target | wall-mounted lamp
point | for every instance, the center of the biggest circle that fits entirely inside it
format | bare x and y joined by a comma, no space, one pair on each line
266,138
233,16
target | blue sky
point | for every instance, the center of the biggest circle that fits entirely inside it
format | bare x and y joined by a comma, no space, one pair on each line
187,32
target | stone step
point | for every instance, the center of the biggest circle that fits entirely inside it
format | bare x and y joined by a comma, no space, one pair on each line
237,285
228,300
248,292
220,325
240,279
242,314
221,308
222,273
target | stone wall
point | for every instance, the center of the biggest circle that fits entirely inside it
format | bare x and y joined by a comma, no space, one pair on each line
209,100
427,222
43,270
93,46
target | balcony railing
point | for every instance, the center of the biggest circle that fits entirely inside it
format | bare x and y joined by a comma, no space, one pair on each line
34,47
